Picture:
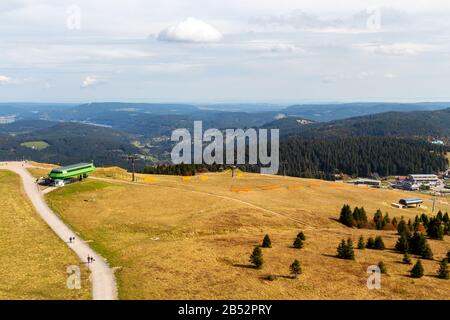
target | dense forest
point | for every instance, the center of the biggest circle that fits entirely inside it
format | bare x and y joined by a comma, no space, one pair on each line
359,156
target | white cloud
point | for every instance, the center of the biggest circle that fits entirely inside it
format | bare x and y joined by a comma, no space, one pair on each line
390,75
5,80
90,81
396,49
190,30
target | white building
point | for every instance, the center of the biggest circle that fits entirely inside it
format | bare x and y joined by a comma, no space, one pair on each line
423,179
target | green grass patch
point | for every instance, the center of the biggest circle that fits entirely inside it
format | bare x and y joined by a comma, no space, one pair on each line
35,145
80,187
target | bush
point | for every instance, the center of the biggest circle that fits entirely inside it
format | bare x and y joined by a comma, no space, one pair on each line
407,258
417,271
267,243
298,243
382,267
256,258
379,244
443,270
295,268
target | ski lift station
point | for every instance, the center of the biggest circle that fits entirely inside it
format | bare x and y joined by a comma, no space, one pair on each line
63,175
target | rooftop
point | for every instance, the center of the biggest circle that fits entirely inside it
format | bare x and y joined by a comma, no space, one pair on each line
72,166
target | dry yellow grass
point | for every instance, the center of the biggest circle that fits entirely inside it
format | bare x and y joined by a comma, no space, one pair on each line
176,239
33,259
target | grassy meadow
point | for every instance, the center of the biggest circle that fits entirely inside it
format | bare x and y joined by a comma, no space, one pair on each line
33,259
190,238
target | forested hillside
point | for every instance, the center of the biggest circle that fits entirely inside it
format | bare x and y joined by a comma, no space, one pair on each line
360,156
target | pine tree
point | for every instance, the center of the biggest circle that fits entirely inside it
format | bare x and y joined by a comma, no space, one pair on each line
402,227
361,244
402,244
298,243
382,267
370,243
435,229
417,271
296,268
427,253
378,220
407,258
346,216
448,255
350,253
301,235
439,216
341,250
394,222
424,219
267,243
443,272
446,218
256,258
379,243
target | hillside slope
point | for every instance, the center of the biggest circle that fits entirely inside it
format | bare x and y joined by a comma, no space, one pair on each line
190,238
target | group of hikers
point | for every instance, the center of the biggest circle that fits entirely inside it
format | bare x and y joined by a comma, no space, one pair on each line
89,258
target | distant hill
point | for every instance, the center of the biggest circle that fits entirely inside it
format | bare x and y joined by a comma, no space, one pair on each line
329,112
70,143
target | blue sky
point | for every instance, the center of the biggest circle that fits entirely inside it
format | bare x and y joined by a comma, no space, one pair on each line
214,51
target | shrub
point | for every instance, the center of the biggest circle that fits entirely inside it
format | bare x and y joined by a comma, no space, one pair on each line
256,258
417,271
267,243
407,258
295,268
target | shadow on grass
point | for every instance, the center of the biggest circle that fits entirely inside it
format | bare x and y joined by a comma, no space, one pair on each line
245,266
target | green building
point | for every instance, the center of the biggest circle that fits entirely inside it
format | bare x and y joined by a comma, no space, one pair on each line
74,170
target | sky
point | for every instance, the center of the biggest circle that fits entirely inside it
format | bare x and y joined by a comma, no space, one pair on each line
208,51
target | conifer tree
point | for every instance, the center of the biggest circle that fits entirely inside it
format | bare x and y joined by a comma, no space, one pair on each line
295,268
382,267
417,271
346,216
394,222
301,235
379,243
267,243
350,253
256,258
402,227
443,272
370,243
402,244
361,243
298,243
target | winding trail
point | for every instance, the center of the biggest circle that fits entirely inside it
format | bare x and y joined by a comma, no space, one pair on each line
103,281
